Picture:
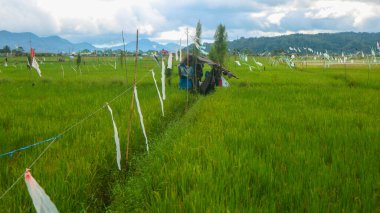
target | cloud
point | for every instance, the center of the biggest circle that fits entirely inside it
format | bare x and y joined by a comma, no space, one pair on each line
26,16
165,20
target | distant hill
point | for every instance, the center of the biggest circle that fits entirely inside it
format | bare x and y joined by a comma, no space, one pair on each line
55,44
146,45
348,42
332,42
51,44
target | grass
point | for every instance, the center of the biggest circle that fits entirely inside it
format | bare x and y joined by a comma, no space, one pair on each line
277,140
80,167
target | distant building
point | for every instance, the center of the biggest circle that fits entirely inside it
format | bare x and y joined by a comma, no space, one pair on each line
164,52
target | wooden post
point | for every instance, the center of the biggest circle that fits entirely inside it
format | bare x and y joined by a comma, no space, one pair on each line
133,97
124,59
369,69
345,69
187,73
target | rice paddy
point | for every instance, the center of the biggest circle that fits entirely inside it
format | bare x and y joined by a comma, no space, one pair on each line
294,140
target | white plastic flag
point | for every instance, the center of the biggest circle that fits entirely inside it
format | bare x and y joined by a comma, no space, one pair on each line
170,61
35,66
163,80
225,82
116,136
141,118
198,46
204,52
249,66
373,55
238,63
41,200
159,94
180,54
326,56
63,71
156,59
180,50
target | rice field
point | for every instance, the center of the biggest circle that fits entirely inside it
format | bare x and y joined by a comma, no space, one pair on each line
277,140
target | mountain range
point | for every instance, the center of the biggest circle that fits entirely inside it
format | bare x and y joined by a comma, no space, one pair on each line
331,42
146,45
56,44
51,44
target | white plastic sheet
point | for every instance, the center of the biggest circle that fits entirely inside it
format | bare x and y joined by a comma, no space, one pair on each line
225,82
163,80
41,200
36,66
141,118
170,61
159,94
63,71
180,50
116,136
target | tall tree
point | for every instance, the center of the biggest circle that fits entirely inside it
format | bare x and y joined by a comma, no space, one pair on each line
197,40
219,48
6,49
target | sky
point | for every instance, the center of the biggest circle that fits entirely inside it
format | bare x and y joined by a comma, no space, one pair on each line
100,22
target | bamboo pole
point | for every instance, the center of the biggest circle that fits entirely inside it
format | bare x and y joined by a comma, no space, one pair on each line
187,72
125,59
132,100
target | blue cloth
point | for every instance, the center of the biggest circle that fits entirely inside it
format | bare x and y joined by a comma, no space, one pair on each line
186,71
184,85
186,76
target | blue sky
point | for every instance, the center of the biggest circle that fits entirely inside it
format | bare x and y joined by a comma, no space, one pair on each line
100,21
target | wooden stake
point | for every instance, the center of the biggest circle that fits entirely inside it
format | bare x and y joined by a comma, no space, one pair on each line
187,73
369,69
133,98
125,60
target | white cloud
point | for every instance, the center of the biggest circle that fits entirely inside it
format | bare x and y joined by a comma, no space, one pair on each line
166,20
276,18
24,16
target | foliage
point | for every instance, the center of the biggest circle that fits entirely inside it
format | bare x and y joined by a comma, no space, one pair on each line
6,49
198,33
219,49
348,42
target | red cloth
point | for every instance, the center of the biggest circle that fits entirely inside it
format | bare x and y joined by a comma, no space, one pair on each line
31,52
